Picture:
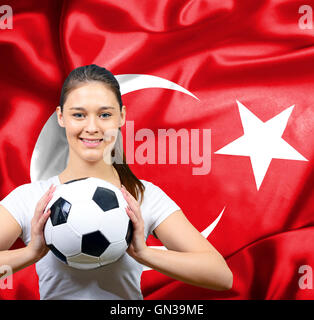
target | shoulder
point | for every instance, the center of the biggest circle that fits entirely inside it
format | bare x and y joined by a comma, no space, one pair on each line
149,187
146,183
33,188
153,193
157,205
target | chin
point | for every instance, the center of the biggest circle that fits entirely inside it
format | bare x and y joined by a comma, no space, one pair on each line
92,159
96,157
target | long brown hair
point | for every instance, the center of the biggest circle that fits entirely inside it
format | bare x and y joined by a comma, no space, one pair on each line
93,72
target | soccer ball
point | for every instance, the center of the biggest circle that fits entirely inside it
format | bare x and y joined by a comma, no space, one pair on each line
88,226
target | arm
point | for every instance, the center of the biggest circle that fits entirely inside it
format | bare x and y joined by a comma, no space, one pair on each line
190,257
10,230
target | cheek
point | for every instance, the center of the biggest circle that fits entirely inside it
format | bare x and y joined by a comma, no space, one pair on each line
110,134
72,132
109,127
73,127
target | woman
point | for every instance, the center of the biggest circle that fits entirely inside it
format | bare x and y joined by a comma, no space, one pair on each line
92,113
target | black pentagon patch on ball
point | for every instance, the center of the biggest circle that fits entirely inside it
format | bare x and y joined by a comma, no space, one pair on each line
94,243
57,253
60,211
105,198
75,180
129,233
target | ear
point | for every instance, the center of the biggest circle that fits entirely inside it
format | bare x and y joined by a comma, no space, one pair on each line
60,116
122,116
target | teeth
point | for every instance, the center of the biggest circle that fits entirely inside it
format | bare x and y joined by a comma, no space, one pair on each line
92,140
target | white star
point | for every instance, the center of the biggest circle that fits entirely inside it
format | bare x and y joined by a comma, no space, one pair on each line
262,141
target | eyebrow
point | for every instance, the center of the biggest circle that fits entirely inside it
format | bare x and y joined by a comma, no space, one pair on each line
101,108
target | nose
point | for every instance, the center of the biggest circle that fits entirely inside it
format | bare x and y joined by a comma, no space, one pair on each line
91,126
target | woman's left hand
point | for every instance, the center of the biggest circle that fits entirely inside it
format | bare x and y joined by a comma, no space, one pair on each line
138,244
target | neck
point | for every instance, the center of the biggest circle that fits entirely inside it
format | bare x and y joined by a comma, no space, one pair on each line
78,168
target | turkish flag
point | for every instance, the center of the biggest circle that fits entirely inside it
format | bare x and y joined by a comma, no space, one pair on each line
236,77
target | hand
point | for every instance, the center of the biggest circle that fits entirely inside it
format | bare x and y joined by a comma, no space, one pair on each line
138,244
38,244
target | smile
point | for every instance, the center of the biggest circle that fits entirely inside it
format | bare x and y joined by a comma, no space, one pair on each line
91,142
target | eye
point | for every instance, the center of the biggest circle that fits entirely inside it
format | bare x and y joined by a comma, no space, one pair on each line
105,115
77,115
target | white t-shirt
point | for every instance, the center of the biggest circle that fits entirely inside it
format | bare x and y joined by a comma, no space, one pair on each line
116,281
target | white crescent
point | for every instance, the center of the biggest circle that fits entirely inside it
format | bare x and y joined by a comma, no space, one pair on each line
50,154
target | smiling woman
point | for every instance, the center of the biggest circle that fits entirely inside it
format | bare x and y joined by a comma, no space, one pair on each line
92,113
91,123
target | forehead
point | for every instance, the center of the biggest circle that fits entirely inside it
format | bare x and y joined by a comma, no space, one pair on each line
92,94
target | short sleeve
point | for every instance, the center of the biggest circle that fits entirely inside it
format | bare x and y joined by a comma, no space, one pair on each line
160,206
14,203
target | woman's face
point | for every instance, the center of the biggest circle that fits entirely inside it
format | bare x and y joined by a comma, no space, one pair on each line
91,118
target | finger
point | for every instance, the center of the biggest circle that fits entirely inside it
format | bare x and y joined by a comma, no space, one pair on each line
49,197
131,215
47,194
43,202
126,197
51,190
43,219
136,222
46,199
132,201
133,207
52,187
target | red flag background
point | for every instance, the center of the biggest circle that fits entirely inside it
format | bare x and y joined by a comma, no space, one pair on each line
246,61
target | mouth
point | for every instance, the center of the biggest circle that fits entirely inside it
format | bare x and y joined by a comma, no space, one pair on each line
91,142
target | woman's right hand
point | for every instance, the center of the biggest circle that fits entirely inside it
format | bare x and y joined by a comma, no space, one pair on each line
37,245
